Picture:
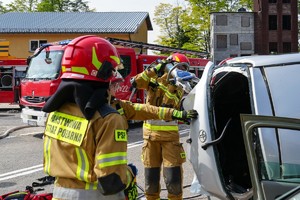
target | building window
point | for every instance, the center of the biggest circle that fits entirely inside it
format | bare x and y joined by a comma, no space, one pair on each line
221,41
245,21
34,44
221,20
272,22
246,46
272,1
286,22
273,48
286,1
287,47
233,39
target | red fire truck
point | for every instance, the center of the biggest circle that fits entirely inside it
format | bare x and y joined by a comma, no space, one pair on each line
43,74
12,69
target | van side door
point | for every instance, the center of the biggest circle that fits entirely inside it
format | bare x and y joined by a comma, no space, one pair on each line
271,180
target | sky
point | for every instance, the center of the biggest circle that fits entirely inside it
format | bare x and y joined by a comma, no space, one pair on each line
133,5
128,5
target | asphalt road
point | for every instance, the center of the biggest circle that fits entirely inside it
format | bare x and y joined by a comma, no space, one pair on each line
21,155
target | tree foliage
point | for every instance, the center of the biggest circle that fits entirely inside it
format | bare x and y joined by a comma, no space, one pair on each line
63,6
46,6
22,6
169,19
2,8
189,27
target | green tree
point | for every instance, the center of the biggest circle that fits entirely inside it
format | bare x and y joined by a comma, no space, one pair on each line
21,6
50,6
248,4
78,6
189,28
169,19
2,8
63,6
46,6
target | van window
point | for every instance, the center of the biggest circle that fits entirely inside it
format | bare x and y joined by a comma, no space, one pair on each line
281,163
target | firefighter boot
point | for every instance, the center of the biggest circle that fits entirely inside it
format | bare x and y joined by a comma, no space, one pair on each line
152,185
173,180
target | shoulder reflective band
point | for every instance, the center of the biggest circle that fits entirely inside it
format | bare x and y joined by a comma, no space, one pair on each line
121,135
67,128
168,93
144,76
121,111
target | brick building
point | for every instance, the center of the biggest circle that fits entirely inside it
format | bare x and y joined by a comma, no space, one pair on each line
276,26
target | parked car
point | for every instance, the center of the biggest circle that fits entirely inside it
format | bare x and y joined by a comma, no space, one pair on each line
245,143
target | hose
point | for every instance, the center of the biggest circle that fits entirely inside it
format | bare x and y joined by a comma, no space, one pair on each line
7,132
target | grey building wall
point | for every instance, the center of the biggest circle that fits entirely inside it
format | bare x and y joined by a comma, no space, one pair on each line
232,34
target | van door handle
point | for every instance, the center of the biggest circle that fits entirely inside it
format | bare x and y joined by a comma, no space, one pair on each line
204,146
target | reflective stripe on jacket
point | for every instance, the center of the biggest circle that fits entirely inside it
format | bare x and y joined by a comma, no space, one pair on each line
102,151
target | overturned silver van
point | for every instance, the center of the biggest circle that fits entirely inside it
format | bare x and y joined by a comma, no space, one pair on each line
245,143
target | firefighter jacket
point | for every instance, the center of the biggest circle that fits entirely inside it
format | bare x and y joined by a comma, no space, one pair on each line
80,152
160,92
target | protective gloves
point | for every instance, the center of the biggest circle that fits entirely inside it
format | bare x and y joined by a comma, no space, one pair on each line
184,116
160,68
131,192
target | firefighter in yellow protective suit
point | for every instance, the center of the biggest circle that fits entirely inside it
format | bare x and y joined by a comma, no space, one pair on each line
161,138
136,111
85,139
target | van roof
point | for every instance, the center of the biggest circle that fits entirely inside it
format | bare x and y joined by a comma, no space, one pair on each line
265,60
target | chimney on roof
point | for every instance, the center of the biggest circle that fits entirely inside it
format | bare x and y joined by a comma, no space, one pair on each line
242,10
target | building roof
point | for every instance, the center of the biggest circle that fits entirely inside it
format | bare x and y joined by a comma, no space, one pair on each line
73,22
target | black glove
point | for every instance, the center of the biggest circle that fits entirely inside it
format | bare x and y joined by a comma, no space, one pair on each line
131,192
184,116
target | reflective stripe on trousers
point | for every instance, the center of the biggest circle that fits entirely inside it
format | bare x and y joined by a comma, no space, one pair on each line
80,194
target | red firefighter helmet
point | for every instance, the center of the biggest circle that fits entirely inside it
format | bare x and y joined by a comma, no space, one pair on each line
90,58
179,58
